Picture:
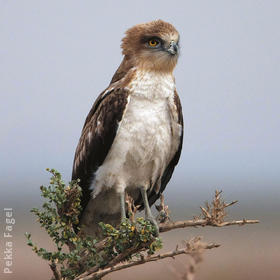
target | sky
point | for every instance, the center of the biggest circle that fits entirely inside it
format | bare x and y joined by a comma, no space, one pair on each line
57,56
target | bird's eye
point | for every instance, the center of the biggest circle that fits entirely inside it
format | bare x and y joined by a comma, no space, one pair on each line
153,43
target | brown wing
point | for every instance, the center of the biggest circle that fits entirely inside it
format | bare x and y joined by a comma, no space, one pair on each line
98,134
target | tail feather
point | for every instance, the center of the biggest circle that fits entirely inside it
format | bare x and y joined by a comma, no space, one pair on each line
105,207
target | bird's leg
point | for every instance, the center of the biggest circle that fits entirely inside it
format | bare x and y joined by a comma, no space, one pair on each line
123,212
148,213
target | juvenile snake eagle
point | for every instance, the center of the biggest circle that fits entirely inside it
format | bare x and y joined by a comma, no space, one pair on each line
132,137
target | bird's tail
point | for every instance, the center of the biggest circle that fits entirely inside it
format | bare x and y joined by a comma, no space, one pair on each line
105,207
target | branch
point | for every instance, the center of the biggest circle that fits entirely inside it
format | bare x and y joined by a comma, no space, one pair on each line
188,223
118,259
202,222
132,243
56,273
212,215
163,215
191,247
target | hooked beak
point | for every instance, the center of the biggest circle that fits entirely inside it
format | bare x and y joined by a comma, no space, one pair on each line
173,48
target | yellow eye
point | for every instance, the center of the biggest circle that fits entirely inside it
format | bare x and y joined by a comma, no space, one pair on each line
153,43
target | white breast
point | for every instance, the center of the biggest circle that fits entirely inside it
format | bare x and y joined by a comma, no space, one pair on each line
144,144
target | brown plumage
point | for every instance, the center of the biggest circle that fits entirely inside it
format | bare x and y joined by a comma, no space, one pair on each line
132,137
132,46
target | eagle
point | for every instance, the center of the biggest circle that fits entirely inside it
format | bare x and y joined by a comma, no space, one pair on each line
131,140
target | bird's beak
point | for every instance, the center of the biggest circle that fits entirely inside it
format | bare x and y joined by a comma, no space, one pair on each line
173,48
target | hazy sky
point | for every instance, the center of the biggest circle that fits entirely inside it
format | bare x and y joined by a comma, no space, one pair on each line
57,56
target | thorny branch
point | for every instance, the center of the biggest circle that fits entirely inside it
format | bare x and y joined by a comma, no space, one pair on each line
118,259
132,243
193,260
191,247
202,222
212,215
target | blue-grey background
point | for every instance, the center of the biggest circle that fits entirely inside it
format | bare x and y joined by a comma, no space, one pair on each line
57,56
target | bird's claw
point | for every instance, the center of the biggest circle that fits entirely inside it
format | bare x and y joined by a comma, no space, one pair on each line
155,224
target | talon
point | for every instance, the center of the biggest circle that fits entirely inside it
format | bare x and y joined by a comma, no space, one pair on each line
148,212
155,224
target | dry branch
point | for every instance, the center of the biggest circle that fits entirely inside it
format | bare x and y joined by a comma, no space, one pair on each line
55,271
191,247
133,243
192,265
163,215
118,259
212,215
202,222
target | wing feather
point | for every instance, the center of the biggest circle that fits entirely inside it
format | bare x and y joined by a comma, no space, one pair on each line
97,136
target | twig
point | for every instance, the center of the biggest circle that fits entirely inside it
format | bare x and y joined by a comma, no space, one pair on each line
163,215
196,246
56,273
131,208
213,215
203,223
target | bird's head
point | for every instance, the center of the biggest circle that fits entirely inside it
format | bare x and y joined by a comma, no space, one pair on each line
153,46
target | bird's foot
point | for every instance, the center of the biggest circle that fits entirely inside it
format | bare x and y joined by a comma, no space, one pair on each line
123,219
155,224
